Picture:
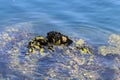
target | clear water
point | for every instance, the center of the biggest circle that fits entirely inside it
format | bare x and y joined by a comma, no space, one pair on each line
92,20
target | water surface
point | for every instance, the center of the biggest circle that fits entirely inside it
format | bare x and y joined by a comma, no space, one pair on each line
92,20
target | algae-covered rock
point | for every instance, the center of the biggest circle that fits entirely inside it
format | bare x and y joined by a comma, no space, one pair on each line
38,42
53,39
114,40
80,42
113,47
57,38
83,47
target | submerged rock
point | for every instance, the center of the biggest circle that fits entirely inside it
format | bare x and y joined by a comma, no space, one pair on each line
80,42
83,47
113,47
65,63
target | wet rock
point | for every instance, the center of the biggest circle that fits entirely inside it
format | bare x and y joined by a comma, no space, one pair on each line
38,42
83,47
57,38
53,38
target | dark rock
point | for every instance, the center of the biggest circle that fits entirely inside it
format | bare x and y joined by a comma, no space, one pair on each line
57,38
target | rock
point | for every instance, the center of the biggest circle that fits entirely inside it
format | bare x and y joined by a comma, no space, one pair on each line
83,47
38,42
80,42
113,47
56,38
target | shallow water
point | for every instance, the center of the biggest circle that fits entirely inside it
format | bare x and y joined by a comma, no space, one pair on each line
94,21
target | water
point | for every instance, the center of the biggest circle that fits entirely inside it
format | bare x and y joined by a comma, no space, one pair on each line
92,20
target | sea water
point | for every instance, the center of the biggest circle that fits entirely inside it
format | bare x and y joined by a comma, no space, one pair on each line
97,22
